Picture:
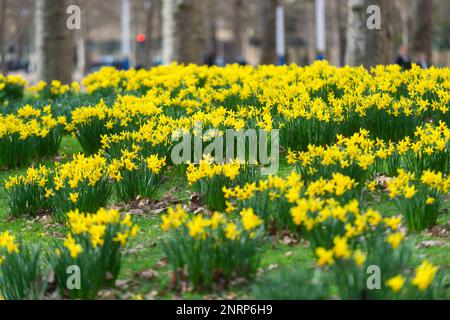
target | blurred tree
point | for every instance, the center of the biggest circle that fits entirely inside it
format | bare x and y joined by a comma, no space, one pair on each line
380,45
441,24
366,46
135,8
311,34
21,13
422,37
356,38
81,38
406,11
238,29
183,39
210,21
333,34
149,10
54,42
2,36
268,8
143,28
15,36
342,18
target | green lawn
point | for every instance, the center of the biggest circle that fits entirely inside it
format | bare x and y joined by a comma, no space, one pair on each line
145,252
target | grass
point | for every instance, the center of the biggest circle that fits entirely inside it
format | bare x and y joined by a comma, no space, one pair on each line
146,251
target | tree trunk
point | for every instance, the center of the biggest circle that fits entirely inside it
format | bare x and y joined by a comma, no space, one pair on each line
380,45
21,30
2,36
342,18
183,39
356,37
210,14
422,38
135,58
149,7
311,32
269,55
405,8
81,47
333,37
54,41
237,30
369,47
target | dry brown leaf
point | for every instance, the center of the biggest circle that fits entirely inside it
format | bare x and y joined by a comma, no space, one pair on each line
382,181
289,240
161,263
440,231
106,294
231,296
123,283
151,295
431,243
137,212
273,266
147,274
134,249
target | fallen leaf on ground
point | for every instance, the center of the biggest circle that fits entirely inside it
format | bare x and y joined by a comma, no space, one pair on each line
123,283
162,263
440,231
289,240
136,212
431,243
147,274
273,266
382,181
134,250
151,295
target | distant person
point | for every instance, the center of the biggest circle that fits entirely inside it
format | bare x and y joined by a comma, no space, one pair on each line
403,59
220,61
241,61
422,61
320,56
210,59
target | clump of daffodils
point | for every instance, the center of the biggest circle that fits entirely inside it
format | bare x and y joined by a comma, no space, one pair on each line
347,240
29,134
135,175
29,192
209,179
206,169
359,156
419,284
96,228
208,249
274,197
90,124
94,244
8,243
80,184
22,272
11,87
419,198
354,156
